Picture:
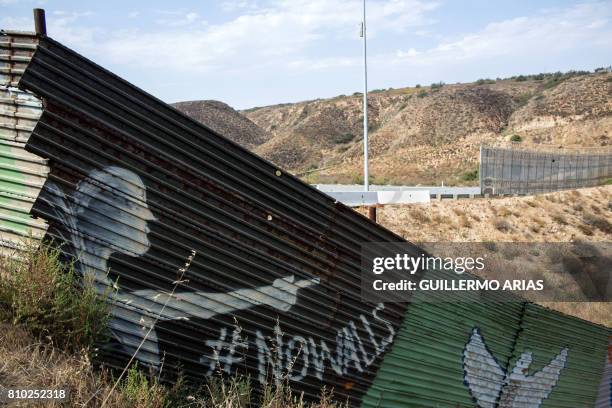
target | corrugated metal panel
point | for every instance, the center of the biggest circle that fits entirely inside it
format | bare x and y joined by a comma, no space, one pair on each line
491,355
545,335
604,398
448,353
135,186
22,174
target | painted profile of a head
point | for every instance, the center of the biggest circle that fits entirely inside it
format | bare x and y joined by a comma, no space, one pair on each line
112,212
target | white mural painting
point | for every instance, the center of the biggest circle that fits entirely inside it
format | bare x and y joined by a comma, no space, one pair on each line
294,357
108,213
493,387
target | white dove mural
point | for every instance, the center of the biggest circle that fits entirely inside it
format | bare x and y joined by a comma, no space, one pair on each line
492,387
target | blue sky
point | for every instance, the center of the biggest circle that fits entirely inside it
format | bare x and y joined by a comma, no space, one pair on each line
253,53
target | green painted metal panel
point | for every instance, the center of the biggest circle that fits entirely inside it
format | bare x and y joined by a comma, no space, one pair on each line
604,397
22,174
427,364
544,334
497,352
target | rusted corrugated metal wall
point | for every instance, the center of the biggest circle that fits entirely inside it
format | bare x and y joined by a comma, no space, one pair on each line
136,188
22,174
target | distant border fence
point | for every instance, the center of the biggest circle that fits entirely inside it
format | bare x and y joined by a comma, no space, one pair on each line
512,170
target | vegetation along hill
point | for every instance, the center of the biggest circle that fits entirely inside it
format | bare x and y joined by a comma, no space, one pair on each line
422,134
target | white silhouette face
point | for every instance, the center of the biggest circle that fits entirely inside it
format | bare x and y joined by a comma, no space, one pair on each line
113,209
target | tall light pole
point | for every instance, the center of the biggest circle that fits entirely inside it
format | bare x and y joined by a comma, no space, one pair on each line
366,182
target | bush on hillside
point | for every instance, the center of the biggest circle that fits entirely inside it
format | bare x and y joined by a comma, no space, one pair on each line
471,175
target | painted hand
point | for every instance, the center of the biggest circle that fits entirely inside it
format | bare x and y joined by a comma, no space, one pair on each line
287,290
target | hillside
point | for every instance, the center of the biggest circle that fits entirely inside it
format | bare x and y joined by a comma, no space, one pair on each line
569,216
421,135
223,119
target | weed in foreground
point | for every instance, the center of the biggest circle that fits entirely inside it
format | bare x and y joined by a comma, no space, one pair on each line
50,320
45,296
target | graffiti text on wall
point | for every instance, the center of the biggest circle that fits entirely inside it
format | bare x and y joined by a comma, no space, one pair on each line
299,356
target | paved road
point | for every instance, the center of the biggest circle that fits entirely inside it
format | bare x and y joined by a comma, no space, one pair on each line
434,191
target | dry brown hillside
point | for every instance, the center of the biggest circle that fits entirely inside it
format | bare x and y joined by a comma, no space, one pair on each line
223,119
571,216
577,112
421,135
430,135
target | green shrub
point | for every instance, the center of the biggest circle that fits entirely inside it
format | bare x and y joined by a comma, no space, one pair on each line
356,178
485,81
437,85
470,175
344,138
47,297
523,99
516,138
417,86
599,222
551,83
422,93
379,180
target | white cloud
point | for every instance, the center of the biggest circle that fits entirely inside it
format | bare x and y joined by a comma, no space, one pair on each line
260,36
235,5
285,39
410,53
17,23
549,33
179,19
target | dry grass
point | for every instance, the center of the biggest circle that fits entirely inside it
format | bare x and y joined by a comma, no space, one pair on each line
418,214
40,293
559,218
29,363
569,216
554,217
502,225
50,323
